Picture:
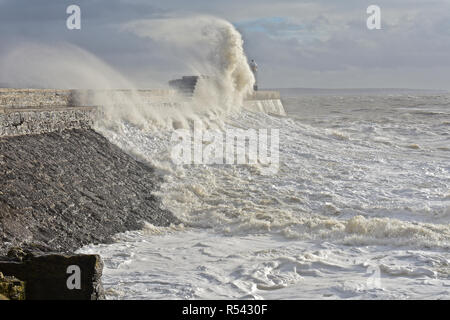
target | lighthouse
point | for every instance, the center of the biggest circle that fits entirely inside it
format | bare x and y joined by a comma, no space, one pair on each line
254,68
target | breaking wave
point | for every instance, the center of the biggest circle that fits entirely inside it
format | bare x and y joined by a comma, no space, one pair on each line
208,46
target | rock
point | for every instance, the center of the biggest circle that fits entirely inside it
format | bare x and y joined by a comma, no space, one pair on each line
11,288
17,254
56,276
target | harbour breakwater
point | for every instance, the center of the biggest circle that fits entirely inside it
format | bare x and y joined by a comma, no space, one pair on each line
63,185
63,190
38,111
32,111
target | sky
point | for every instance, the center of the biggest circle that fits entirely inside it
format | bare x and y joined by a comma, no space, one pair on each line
307,44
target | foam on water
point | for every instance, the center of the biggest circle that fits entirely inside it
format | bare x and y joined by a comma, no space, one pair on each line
351,194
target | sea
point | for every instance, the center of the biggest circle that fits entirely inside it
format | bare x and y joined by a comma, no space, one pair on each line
359,207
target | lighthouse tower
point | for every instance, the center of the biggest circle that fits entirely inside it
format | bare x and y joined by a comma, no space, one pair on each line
254,68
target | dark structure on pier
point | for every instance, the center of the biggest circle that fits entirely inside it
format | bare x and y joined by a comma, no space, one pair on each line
186,84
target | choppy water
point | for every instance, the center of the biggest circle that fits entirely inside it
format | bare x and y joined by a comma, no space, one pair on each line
360,208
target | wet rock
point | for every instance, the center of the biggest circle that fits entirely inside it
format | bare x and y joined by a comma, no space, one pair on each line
53,277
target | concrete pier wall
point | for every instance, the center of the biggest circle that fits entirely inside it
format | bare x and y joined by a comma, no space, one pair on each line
264,95
36,111
269,106
14,122
36,98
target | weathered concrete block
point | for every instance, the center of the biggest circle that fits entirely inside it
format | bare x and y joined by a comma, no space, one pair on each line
57,276
11,288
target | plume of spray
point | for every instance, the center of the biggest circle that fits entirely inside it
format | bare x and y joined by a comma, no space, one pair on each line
207,45
59,66
66,66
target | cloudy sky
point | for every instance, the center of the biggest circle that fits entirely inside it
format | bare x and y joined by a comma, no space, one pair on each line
310,44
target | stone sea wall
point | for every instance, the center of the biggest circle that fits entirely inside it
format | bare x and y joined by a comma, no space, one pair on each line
62,190
264,95
63,185
37,111
37,98
15,122
33,111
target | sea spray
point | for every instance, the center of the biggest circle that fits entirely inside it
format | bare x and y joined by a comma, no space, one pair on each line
209,46
57,66
66,66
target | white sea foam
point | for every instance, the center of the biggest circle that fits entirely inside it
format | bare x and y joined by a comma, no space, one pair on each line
352,213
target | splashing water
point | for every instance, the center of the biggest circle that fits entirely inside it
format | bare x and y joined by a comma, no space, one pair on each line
354,212
208,46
